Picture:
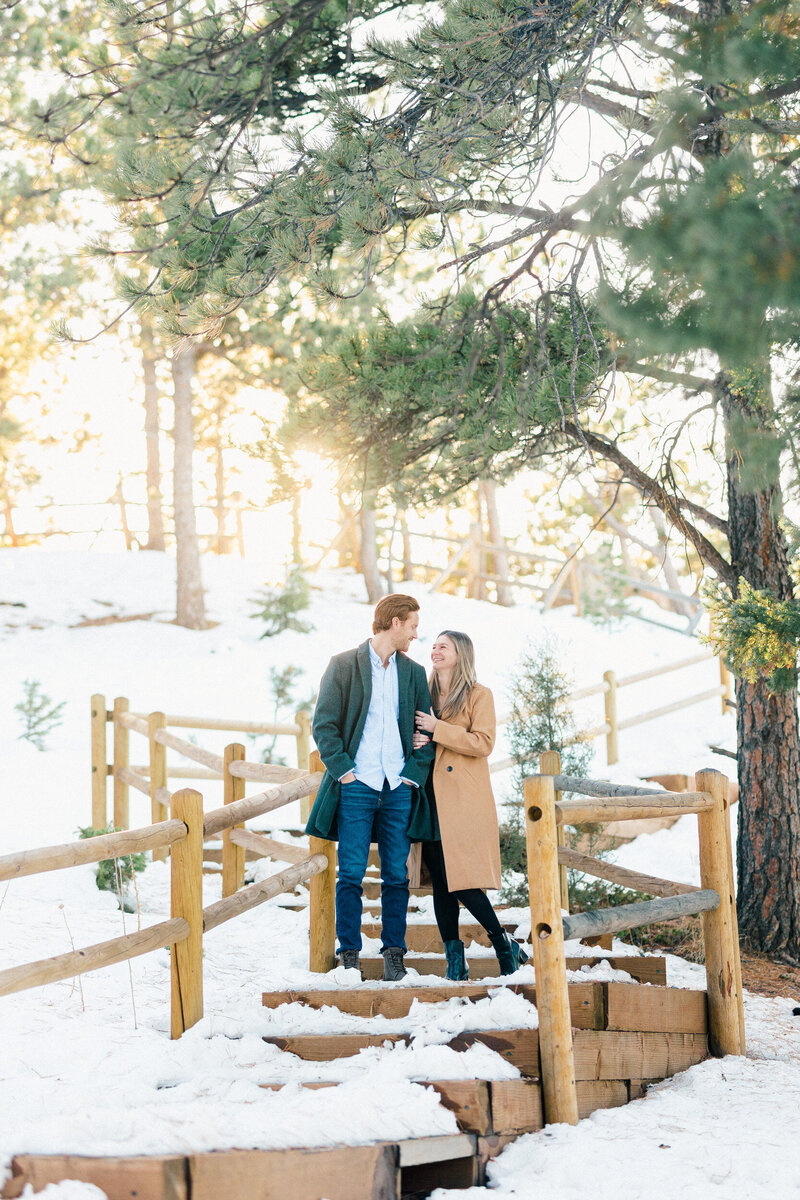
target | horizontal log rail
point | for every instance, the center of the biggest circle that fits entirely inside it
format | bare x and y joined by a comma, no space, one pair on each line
290,728
189,750
654,672
620,875
675,706
631,808
268,847
634,916
129,720
91,850
265,772
257,893
134,778
229,815
599,787
179,772
90,958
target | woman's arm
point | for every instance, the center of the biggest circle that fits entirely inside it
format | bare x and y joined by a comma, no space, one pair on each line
478,740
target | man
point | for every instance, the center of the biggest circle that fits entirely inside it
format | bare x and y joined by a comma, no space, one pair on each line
364,730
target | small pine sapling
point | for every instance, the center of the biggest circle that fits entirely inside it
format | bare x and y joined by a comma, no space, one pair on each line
282,683
114,874
278,607
541,719
38,714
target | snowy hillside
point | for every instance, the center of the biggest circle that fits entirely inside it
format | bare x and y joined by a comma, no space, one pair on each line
87,1065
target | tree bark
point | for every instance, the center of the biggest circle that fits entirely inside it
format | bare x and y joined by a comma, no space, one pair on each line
488,490
768,848
369,549
155,515
190,601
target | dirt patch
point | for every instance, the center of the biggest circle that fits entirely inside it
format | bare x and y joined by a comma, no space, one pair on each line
767,978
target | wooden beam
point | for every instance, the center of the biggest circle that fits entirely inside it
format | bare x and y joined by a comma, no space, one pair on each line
186,892
586,1000
147,1177
621,875
91,958
633,916
266,847
232,851
242,901
122,739
655,1010
91,850
632,808
99,765
255,806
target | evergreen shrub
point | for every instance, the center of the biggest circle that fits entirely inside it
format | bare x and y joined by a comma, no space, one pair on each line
114,874
278,607
38,714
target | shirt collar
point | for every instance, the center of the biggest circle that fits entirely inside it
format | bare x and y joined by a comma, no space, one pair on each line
376,659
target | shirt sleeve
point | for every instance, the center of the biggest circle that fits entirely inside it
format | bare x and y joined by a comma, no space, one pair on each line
478,740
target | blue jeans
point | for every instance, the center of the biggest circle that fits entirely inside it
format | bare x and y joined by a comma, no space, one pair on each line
358,807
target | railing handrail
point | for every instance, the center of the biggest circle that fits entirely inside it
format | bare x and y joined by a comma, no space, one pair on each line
91,850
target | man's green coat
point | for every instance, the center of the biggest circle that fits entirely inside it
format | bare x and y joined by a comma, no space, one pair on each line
339,719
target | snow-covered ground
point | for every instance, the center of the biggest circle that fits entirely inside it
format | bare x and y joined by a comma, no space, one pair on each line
87,1065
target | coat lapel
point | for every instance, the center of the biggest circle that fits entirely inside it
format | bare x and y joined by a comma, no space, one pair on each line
405,714
365,672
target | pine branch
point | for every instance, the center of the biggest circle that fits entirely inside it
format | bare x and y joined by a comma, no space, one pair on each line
669,504
629,118
695,383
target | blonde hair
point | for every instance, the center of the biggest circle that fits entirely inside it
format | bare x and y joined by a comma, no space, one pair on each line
463,680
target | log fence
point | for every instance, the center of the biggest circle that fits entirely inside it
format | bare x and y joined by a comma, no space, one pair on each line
609,687
545,814
182,833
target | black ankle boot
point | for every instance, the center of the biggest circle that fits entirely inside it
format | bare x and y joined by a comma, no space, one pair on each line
510,954
456,963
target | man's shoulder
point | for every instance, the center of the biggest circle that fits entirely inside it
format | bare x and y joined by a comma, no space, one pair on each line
346,658
415,667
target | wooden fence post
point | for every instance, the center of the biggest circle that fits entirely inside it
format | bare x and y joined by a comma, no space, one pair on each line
158,775
722,970
99,764
734,923
303,720
610,697
187,902
122,742
559,1094
322,899
550,764
232,855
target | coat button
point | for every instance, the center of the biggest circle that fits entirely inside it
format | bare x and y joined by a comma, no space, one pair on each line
449,768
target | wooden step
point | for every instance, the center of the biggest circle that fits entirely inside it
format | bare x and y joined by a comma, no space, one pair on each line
586,1000
381,1171
599,1054
372,889
645,970
426,939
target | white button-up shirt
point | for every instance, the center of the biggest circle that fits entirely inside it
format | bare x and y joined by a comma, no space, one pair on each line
380,752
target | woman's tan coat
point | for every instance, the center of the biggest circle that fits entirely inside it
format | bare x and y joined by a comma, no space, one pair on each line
464,798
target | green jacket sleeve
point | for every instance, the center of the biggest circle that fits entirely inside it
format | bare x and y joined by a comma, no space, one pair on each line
327,724
419,763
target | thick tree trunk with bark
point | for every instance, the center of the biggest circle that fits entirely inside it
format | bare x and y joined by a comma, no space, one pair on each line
190,601
369,549
155,516
768,848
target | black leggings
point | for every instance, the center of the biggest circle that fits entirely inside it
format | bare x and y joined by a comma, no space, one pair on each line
445,902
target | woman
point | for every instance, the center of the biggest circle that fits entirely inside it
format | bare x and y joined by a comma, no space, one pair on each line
460,845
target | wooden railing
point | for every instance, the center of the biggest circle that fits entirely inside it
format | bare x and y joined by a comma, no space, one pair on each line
545,815
151,777
183,831
610,685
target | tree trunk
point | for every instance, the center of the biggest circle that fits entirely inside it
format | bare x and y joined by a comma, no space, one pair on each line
369,549
190,602
684,608
499,557
768,849
155,515
297,531
408,558
219,479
